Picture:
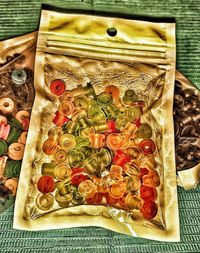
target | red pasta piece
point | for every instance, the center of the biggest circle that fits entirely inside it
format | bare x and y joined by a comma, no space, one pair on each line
96,199
111,126
58,87
149,210
143,171
59,119
45,184
110,200
78,176
120,158
137,122
113,91
148,146
25,123
148,193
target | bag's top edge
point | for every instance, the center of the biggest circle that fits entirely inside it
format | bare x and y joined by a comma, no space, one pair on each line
109,14
13,37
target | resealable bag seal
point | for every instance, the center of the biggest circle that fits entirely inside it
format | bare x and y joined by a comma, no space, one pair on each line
78,49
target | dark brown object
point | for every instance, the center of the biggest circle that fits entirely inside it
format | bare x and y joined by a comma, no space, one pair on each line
4,193
187,127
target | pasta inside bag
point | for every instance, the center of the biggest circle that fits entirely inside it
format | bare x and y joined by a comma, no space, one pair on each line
187,132
16,99
101,145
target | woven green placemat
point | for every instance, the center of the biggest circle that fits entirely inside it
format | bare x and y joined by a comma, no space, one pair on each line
19,17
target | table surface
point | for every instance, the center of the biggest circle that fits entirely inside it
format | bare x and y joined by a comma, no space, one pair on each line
19,17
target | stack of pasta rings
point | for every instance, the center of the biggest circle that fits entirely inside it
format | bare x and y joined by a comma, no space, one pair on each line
100,152
14,125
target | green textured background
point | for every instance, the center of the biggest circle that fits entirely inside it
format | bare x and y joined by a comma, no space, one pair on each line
19,17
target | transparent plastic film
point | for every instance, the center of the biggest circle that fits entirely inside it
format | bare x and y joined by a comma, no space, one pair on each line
103,150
